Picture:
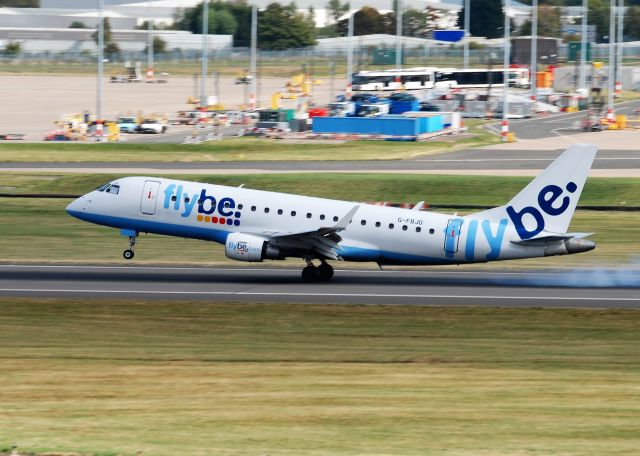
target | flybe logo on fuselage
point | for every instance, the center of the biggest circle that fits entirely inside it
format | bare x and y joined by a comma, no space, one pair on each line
209,209
546,200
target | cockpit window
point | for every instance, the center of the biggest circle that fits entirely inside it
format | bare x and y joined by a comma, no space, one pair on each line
102,188
114,189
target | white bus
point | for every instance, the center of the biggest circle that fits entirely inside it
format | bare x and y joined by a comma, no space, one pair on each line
428,78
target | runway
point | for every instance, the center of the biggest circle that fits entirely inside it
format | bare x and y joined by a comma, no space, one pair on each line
618,288
464,161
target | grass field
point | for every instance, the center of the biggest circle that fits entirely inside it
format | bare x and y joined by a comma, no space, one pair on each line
241,149
40,230
168,378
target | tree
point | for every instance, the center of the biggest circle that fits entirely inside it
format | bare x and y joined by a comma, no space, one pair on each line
414,23
110,46
20,3
159,46
106,32
366,21
337,9
548,22
281,27
632,22
12,48
226,18
487,18
599,16
78,25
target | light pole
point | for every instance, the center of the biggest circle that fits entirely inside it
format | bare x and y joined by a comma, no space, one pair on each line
505,74
398,40
467,12
620,47
610,75
583,45
150,44
204,58
254,51
100,81
533,67
349,51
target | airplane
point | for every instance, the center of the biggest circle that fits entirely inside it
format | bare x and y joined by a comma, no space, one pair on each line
255,225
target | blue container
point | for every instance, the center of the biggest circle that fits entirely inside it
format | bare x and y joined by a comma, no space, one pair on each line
399,107
391,126
451,36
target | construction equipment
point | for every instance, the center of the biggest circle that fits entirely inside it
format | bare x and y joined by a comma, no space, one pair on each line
592,121
134,73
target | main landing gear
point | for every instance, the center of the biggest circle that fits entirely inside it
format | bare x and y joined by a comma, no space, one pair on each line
129,253
322,273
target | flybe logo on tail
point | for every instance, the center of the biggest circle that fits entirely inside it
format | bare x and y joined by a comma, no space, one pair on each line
548,204
210,210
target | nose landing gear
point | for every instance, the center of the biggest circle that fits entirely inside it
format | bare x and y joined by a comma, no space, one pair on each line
129,253
322,273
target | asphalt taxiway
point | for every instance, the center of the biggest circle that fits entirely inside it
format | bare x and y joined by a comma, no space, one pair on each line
618,288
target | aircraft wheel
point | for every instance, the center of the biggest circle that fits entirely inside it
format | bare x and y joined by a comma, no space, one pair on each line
310,274
128,254
325,272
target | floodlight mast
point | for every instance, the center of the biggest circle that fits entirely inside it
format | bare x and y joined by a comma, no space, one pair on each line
349,51
583,45
254,57
205,55
620,49
505,75
611,73
150,43
465,44
100,76
398,40
533,67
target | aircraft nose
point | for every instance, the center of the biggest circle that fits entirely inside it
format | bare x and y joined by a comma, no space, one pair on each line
77,206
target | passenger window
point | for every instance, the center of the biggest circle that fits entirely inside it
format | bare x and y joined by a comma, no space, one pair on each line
418,229
279,211
404,227
431,231
391,225
186,199
227,204
335,218
266,210
253,208
308,214
363,222
174,197
377,224
293,213
240,206
321,216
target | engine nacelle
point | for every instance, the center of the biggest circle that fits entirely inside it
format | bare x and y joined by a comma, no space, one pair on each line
247,247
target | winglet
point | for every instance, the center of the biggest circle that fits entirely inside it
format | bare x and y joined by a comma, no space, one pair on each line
344,221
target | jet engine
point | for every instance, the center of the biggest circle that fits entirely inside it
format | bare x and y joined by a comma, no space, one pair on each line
247,247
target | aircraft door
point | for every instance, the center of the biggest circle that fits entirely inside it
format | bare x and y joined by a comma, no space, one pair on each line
149,197
452,236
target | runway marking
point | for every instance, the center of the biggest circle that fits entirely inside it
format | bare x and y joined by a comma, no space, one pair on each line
307,294
553,272
516,159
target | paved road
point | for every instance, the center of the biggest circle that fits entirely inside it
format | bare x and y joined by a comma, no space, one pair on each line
467,160
588,289
544,127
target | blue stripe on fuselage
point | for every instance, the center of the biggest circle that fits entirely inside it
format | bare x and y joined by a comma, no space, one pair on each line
152,226
348,253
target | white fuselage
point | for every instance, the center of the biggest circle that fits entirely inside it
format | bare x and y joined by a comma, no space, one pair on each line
385,235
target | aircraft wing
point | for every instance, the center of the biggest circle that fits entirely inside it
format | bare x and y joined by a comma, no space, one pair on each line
324,241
